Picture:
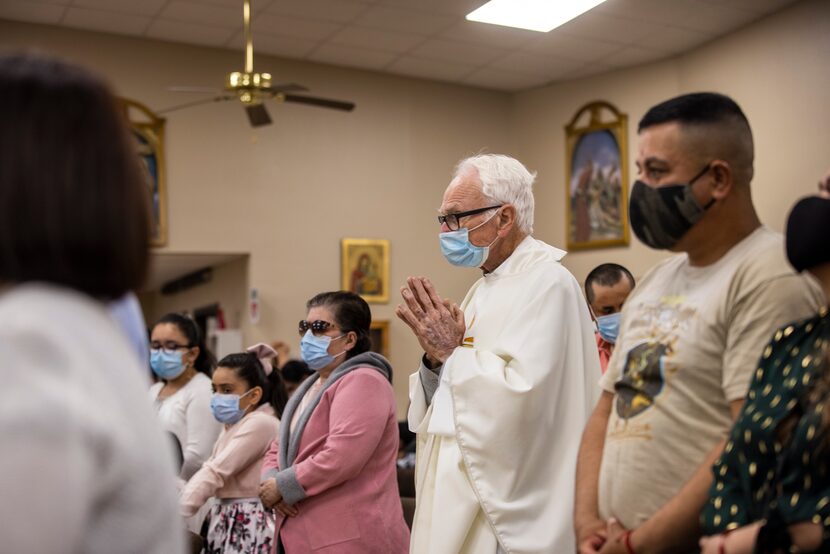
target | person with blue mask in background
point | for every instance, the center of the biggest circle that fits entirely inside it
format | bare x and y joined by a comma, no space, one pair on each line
181,397
606,289
517,360
248,399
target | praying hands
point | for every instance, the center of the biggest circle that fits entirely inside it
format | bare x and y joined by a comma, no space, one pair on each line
438,323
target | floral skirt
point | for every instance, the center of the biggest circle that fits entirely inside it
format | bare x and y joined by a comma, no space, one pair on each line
238,526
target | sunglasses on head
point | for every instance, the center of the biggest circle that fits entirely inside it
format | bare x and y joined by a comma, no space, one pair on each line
317,326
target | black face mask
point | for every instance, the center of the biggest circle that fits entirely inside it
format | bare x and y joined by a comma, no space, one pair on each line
808,229
660,216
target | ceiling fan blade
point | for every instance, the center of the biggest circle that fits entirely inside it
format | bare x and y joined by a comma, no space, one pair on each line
288,87
257,115
195,103
206,90
319,102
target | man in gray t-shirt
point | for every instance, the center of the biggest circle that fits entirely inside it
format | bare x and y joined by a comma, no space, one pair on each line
691,333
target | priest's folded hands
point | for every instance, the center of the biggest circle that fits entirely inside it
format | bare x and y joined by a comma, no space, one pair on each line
437,323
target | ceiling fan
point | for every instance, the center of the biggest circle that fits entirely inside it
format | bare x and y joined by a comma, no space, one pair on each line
252,89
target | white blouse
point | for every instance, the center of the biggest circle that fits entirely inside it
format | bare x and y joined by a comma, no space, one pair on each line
186,413
84,465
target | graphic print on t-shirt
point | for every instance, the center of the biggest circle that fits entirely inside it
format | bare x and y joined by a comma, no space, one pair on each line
642,379
648,364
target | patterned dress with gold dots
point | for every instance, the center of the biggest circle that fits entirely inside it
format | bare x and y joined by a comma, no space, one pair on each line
762,475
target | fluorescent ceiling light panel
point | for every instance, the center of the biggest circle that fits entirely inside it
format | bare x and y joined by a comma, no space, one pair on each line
533,15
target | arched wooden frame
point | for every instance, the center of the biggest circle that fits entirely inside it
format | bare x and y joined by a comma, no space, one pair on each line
148,129
616,126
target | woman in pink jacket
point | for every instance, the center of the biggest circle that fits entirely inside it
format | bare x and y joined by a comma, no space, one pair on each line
331,475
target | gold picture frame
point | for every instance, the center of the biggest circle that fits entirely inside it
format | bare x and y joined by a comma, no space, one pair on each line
365,268
148,130
379,334
596,178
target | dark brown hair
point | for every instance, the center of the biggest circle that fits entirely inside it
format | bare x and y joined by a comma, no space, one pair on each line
351,313
74,205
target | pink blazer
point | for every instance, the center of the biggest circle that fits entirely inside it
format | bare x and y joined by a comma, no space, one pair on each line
345,466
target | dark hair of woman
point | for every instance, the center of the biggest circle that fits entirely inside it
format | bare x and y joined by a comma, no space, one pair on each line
351,314
248,368
205,362
74,204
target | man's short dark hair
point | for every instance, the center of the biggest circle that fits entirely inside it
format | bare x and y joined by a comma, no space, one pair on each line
295,371
74,204
606,275
694,109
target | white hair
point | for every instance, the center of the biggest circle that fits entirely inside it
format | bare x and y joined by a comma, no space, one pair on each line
504,180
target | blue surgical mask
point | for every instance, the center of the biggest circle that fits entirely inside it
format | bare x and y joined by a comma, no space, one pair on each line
458,250
166,365
225,407
315,350
609,327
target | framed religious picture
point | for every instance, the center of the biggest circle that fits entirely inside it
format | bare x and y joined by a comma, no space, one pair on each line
379,334
148,132
596,178
365,268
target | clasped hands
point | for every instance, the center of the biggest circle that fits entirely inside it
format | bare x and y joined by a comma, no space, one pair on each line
603,538
438,323
271,498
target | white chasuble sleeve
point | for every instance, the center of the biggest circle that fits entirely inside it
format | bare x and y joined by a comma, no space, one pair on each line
516,397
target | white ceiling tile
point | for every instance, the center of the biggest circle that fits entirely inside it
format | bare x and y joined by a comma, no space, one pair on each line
588,70
672,39
266,43
689,14
256,5
145,7
600,26
290,26
754,6
31,12
461,52
500,79
482,33
202,14
573,48
326,10
431,69
451,7
110,22
177,31
352,57
377,40
534,64
407,21
632,55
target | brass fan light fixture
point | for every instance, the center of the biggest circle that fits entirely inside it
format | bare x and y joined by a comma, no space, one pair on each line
253,88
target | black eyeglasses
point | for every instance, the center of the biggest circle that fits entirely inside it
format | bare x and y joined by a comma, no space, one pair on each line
318,327
452,219
168,347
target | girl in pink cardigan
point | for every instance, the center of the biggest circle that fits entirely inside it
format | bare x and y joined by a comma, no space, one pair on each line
247,395
331,476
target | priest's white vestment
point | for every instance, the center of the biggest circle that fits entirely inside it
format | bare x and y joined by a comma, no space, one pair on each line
498,440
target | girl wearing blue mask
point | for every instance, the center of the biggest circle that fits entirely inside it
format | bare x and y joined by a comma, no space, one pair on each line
181,397
248,398
331,475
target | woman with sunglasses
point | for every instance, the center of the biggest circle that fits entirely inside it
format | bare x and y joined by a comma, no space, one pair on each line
181,397
331,475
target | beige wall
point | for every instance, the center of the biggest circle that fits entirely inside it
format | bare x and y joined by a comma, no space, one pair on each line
288,193
228,287
777,69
